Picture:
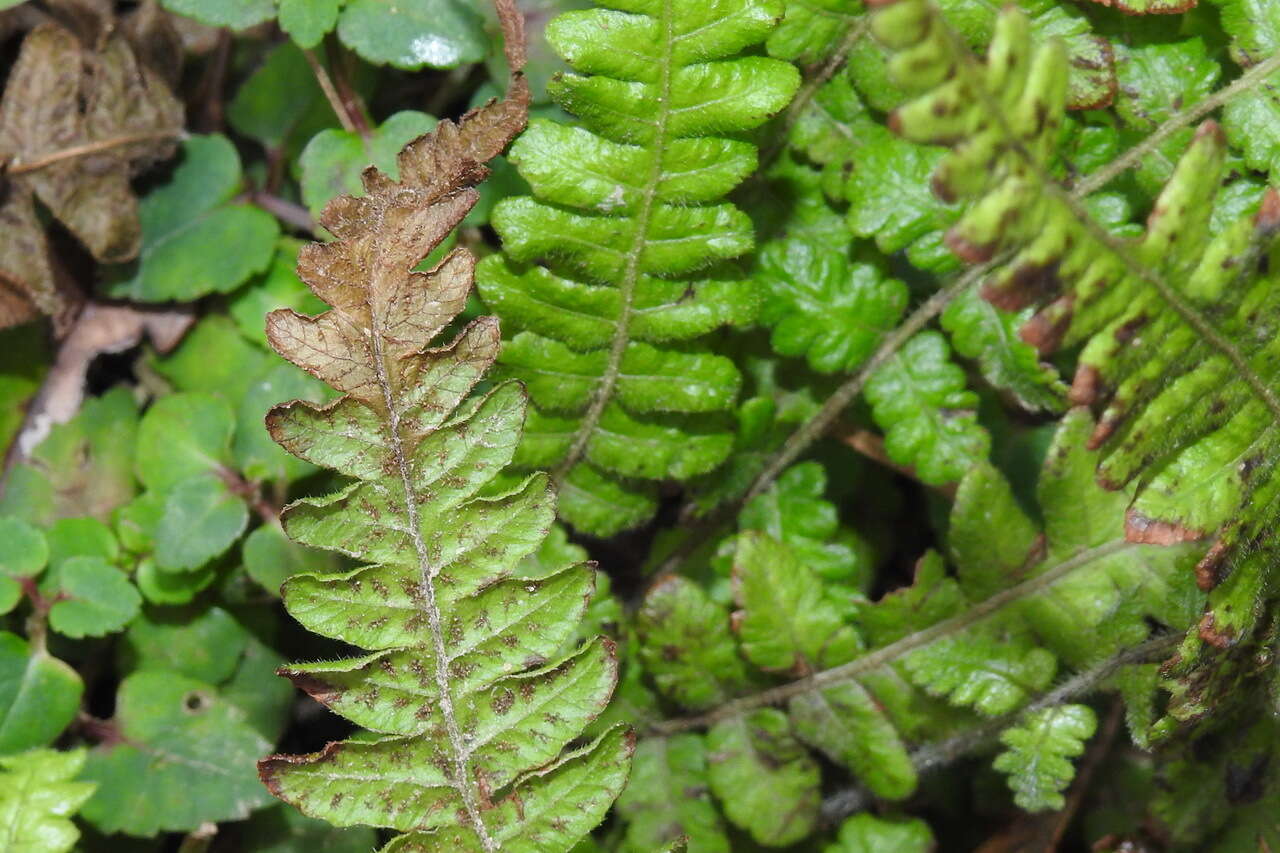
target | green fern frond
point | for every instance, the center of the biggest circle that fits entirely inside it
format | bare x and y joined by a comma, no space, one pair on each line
39,797
1177,326
1039,751
1031,598
467,686
621,259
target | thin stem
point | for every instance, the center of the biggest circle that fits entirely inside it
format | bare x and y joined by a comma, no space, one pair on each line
631,272
18,167
892,652
330,93
351,102
286,211
1251,78
942,753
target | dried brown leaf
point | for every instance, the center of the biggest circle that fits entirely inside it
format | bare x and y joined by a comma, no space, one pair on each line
383,312
76,122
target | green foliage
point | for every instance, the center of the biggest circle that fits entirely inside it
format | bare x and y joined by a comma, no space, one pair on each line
793,288
1038,753
1168,324
918,397
185,758
187,224
333,160
628,222
39,695
407,34
865,833
38,797
668,797
763,775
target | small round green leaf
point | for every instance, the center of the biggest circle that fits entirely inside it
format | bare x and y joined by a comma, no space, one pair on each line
23,549
161,587
271,558
187,757
204,643
95,598
183,435
333,159
202,519
236,14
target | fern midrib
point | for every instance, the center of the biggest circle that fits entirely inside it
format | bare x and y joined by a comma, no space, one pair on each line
888,654
426,586
631,272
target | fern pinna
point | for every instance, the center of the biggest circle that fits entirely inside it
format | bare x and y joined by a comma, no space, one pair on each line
622,256
1178,328
472,685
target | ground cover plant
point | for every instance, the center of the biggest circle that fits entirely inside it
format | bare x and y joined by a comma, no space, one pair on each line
639,425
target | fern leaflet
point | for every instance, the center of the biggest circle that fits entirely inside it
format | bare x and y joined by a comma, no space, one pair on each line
472,685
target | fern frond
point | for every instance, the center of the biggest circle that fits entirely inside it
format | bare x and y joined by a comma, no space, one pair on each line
466,684
620,259
1177,326
1031,599
1039,752
38,798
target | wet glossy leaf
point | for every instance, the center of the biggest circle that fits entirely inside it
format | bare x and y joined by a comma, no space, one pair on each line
413,33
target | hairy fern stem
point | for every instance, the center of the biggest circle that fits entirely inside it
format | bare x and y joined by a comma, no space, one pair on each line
935,756
892,652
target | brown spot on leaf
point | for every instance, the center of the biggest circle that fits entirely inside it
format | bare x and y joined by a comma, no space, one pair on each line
1086,386
1151,531
1209,632
1208,570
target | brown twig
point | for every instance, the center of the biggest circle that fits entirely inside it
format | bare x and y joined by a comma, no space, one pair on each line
212,83
18,167
294,215
251,492
351,102
330,92
98,329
